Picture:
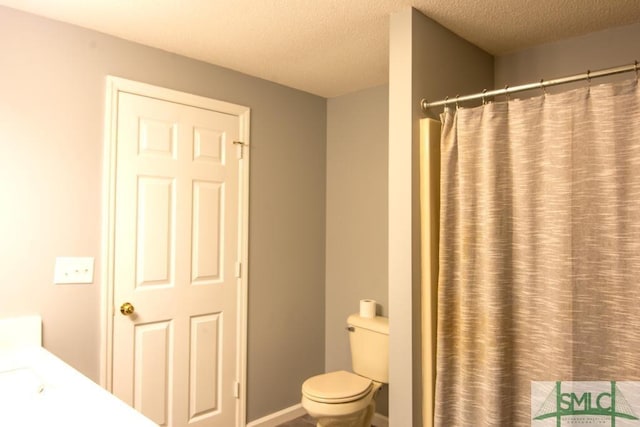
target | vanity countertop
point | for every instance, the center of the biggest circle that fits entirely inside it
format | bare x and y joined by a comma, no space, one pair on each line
39,389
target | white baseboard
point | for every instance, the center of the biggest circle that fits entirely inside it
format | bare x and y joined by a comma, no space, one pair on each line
380,420
280,417
295,411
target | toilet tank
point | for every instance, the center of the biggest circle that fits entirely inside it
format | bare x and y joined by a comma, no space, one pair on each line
369,340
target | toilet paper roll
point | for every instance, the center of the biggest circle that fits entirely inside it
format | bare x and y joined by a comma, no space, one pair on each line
367,308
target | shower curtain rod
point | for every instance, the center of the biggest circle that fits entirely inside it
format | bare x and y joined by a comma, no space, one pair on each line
542,84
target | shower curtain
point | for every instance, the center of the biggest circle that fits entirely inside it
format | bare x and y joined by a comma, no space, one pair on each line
539,251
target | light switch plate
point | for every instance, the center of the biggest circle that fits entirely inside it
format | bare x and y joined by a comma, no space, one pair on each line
76,270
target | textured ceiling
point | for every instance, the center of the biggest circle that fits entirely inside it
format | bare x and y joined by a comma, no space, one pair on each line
325,47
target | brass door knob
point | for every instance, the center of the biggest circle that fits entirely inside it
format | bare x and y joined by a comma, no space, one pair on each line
127,308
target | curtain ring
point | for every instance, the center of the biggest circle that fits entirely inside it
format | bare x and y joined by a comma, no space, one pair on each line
506,92
543,87
457,106
589,77
446,104
484,101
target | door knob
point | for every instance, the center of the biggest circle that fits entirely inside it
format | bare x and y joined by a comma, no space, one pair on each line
127,308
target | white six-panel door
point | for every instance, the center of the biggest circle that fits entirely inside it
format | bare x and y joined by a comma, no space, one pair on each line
176,261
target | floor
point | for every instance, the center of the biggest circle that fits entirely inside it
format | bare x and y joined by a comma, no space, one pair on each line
304,421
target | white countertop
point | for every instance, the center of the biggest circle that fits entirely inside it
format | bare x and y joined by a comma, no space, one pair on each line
38,389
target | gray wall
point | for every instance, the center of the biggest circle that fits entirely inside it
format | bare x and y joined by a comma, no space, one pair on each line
356,243
603,49
426,60
51,141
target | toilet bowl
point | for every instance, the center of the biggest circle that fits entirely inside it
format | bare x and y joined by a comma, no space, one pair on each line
346,399
340,399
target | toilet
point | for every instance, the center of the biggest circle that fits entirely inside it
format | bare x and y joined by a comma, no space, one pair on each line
347,399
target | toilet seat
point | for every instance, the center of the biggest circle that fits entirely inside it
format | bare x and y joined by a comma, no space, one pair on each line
336,387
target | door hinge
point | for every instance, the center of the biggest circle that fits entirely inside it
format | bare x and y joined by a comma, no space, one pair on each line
240,150
236,390
238,270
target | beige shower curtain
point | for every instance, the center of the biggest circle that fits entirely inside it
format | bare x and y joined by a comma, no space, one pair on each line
539,250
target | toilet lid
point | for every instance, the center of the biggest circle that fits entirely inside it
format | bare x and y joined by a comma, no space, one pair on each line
336,387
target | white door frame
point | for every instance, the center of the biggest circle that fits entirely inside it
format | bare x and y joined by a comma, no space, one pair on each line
115,85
